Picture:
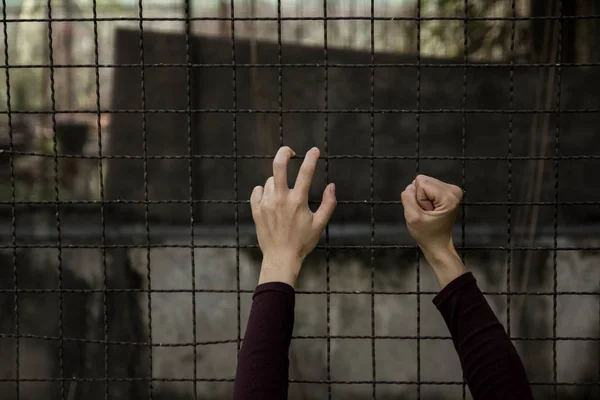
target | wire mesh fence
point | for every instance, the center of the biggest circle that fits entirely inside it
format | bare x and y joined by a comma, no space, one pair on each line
133,133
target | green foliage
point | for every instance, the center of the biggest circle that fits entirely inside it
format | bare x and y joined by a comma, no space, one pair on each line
482,36
111,5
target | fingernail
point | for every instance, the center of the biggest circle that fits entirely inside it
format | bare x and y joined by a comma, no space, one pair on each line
410,187
332,188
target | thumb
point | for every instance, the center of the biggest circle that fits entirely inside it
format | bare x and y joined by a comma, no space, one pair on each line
409,201
323,214
255,197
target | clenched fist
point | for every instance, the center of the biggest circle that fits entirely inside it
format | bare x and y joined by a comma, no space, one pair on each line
287,230
430,209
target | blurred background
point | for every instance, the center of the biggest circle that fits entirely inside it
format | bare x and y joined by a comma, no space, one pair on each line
77,39
128,151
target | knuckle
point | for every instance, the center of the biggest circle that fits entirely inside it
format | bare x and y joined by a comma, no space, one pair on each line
411,218
457,202
277,202
450,201
296,199
458,192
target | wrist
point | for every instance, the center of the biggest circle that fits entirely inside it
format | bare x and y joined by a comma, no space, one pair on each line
440,254
280,269
445,262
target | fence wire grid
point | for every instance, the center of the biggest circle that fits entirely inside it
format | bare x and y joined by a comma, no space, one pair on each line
94,286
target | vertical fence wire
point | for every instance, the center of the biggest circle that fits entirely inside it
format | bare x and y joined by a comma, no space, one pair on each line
279,73
235,175
146,198
417,169
555,215
188,93
326,154
57,201
101,187
372,195
464,144
13,203
511,98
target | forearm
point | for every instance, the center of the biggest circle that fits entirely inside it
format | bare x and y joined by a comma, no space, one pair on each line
491,364
280,268
262,370
445,263
287,230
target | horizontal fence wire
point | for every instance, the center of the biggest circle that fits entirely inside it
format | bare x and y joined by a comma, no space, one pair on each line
328,18
121,319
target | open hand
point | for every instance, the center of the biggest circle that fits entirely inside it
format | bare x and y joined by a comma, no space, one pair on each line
287,230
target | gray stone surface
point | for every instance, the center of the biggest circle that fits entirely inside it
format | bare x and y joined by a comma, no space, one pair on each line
350,315
83,321
216,320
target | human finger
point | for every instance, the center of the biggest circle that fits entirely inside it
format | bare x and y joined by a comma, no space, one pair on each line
410,204
280,164
269,187
256,195
306,173
328,204
428,191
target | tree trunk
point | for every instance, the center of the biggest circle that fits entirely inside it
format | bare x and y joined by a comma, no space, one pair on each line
568,37
69,99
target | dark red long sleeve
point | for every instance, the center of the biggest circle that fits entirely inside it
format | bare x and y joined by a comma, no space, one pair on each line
262,370
491,365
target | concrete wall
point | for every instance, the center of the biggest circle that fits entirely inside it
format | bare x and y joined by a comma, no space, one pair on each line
37,354
440,133
216,315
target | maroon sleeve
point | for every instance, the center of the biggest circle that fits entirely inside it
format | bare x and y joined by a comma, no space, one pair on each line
491,365
262,370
